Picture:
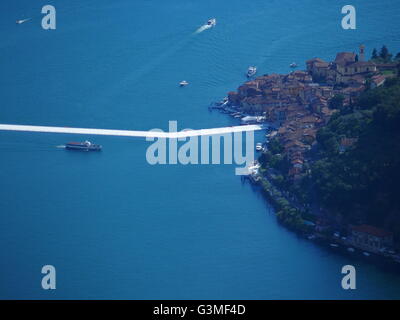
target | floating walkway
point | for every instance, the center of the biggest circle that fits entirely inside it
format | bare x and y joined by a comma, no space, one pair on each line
131,133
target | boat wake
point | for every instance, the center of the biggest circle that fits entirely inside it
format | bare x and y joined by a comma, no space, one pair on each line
203,28
62,146
210,23
23,21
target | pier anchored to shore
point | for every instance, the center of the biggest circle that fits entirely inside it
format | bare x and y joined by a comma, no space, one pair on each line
132,133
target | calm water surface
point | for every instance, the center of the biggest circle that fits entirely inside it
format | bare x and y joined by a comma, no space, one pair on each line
115,226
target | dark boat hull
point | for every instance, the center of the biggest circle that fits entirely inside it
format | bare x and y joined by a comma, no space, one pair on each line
78,147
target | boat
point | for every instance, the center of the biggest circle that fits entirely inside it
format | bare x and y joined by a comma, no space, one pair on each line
251,71
212,22
22,21
84,146
366,254
334,245
293,65
222,103
350,249
183,83
259,146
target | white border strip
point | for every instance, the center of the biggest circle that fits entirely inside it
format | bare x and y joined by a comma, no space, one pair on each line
131,133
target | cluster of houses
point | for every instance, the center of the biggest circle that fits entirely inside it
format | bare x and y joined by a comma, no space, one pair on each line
297,104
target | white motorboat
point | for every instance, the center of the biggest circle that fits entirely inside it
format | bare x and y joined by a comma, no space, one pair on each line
251,71
22,21
183,83
212,22
259,146
293,65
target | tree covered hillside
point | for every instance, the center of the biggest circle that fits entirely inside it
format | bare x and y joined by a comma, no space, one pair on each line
357,175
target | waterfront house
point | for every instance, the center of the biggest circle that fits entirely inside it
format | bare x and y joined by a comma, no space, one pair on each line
370,238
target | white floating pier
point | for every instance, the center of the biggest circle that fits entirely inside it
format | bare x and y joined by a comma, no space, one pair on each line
132,133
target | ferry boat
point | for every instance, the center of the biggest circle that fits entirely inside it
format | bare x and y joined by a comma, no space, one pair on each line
212,22
183,83
251,71
84,146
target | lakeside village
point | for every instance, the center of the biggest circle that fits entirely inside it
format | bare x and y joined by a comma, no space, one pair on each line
295,106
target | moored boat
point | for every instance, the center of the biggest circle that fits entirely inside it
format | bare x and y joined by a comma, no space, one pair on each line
251,71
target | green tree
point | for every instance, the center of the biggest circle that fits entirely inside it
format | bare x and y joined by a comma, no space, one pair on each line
385,54
336,102
374,54
275,146
362,183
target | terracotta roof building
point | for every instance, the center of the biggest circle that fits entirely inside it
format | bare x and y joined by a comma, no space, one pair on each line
370,238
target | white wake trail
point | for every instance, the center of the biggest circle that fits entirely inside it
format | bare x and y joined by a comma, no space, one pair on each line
203,28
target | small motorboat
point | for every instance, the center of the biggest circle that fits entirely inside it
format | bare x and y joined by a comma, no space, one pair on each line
366,254
259,146
334,245
183,83
293,65
212,22
350,249
84,146
251,71
22,21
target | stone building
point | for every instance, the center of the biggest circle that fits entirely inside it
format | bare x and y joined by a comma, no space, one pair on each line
345,67
369,238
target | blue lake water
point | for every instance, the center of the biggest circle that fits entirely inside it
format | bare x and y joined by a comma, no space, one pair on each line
115,226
